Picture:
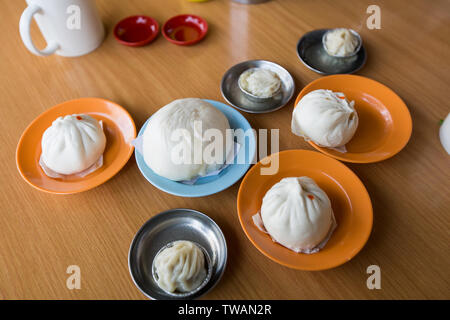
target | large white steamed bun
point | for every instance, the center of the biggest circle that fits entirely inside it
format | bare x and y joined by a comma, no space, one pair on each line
325,117
161,145
72,144
297,214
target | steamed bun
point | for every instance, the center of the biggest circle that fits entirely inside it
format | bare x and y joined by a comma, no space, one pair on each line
180,267
174,143
325,117
297,214
72,144
340,42
260,82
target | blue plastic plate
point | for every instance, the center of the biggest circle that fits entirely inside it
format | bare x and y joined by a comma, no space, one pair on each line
213,184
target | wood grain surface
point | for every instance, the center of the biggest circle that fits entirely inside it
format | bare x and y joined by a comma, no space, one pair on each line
42,234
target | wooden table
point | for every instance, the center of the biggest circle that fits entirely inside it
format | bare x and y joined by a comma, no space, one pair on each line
42,234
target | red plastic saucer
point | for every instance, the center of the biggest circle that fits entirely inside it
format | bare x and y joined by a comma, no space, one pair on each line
185,29
136,31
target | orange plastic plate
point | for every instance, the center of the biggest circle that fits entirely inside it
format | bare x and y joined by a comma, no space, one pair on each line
119,129
349,198
385,123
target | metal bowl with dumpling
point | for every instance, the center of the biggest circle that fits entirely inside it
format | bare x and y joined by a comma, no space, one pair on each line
160,232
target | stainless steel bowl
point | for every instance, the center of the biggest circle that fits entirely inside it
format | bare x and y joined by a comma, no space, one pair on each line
356,34
165,228
312,54
238,99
